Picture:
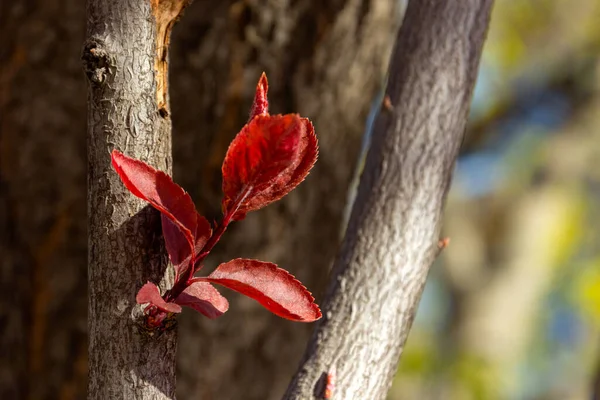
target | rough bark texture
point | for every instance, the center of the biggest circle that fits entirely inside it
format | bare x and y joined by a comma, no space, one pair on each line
327,62
125,247
393,232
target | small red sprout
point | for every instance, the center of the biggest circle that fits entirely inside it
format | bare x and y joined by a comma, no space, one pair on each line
330,381
268,158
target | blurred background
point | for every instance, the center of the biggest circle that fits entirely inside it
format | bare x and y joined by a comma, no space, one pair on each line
512,307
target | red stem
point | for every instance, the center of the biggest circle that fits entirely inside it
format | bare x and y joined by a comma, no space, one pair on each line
181,284
214,238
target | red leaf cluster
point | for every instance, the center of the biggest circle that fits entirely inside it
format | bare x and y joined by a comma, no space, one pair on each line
268,158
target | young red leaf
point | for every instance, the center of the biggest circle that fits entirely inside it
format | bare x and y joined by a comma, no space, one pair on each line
176,243
204,298
203,232
270,156
158,189
308,152
149,293
274,288
260,106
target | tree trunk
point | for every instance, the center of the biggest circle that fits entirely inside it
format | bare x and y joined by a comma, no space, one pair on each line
125,62
392,237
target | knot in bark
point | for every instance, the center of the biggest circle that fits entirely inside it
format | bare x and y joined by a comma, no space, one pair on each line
96,62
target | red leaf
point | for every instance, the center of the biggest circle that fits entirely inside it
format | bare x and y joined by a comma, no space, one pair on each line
260,106
268,158
274,288
176,243
149,293
158,189
204,298
203,232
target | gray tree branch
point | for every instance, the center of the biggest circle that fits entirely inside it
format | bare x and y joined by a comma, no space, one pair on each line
393,234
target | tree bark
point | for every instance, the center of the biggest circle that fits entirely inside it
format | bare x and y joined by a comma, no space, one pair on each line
392,237
125,62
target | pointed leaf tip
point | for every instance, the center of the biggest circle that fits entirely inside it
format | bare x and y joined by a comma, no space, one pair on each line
204,298
149,293
260,106
274,288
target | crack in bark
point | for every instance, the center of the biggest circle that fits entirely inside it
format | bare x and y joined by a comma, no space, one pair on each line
166,13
